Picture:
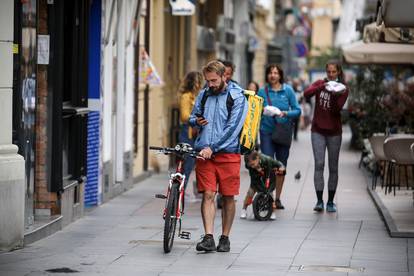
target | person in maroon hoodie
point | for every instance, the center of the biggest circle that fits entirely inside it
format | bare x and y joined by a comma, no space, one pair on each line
327,130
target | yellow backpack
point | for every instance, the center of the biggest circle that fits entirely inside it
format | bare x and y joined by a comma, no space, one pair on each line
251,124
248,134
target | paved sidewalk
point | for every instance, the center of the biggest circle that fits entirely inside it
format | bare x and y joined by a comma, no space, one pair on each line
124,236
397,210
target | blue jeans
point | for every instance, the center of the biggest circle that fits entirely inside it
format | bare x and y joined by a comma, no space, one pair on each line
189,162
273,150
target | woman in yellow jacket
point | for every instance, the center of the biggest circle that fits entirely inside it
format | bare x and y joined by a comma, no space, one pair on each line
190,87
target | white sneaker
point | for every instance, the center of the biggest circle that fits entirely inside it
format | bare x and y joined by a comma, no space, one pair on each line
243,214
273,216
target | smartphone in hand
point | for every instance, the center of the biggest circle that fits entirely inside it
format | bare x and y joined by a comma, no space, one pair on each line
201,120
199,115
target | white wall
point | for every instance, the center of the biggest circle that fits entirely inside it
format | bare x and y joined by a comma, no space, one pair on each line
129,78
120,94
129,99
107,84
118,85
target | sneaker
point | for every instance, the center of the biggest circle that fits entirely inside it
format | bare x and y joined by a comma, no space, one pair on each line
207,244
279,204
330,207
224,244
243,214
273,216
319,206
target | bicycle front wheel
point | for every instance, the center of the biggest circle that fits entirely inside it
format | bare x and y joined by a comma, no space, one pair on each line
170,222
262,206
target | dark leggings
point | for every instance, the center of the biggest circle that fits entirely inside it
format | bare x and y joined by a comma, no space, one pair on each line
319,144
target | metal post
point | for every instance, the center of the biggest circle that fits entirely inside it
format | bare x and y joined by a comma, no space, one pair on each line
146,91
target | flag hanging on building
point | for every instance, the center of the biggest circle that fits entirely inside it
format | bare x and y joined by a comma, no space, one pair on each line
147,72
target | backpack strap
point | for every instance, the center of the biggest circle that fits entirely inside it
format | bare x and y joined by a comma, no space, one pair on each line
203,101
267,95
229,102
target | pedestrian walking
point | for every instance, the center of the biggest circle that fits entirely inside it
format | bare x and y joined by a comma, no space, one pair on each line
229,68
218,142
296,85
260,167
189,89
280,107
326,132
306,117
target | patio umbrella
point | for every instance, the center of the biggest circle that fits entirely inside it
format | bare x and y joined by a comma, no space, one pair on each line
378,53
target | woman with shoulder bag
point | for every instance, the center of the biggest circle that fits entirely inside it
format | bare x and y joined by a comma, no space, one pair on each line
330,96
191,85
280,107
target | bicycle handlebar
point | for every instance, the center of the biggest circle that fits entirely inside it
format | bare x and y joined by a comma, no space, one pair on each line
160,148
179,151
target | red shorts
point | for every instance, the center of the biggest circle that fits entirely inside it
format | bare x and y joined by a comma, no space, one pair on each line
223,172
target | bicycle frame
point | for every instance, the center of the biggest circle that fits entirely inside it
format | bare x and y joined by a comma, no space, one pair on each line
179,177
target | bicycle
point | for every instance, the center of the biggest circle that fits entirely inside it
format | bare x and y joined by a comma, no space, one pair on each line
263,201
174,199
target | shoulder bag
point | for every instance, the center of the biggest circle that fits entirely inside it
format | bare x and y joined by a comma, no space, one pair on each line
282,132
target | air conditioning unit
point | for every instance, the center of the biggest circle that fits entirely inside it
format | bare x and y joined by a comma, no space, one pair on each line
225,31
227,37
206,39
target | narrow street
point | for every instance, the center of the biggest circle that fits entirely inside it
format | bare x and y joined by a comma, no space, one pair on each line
124,236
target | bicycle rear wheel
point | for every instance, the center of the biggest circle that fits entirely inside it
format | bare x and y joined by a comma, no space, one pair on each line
170,221
262,206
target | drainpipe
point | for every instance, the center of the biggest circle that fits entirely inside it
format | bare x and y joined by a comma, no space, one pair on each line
146,91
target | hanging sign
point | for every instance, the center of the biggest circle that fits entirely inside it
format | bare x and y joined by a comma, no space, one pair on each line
182,7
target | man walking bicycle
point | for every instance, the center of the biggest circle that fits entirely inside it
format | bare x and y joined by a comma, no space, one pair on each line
219,112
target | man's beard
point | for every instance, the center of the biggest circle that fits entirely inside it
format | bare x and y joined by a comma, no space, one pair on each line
217,90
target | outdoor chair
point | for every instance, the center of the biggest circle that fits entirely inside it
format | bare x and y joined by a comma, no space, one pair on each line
397,150
377,145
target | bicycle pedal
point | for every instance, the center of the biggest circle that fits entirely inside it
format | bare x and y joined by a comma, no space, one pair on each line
185,235
160,196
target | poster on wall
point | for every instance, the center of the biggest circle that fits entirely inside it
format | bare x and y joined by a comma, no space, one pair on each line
147,72
43,42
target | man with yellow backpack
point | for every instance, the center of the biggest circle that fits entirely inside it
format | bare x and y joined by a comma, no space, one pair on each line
220,113
251,125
